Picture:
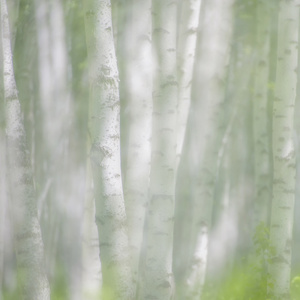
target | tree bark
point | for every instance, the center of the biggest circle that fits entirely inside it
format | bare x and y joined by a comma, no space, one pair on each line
157,264
92,275
207,115
104,126
284,170
261,122
187,39
138,80
29,244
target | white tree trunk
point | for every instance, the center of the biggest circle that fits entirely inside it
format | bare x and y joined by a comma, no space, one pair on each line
207,116
64,200
29,244
284,171
92,276
138,80
261,120
187,39
104,125
157,264
3,195
3,177
13,13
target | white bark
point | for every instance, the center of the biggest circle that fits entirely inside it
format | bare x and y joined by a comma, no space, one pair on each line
13,13
64,198
92,276
207,116
138,80
260,114
284,149
3,197
104,125
29,244
189,21
3,178
157,265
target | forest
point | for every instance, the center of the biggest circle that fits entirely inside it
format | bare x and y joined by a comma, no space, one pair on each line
149,150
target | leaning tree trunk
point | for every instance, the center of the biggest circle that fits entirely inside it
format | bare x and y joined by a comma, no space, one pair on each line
157,259
29,244
284,170
104,126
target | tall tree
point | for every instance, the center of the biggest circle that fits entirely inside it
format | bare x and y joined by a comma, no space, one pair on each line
3,183
138,81
157,261
187,39
284,171
104,126
64,199
29,244
91,265
261,117
207,115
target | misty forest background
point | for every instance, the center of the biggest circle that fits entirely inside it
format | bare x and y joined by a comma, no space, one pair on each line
148,149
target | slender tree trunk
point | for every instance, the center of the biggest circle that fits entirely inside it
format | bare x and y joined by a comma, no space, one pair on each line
207,116
3,177
29,242
284,171
138,80
188,29
187,39
261,120
3,195
92,276
157,265
104,125
25,67
13,13
65,196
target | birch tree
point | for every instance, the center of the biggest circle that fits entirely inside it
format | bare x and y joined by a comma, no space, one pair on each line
3,190
206,116
260,114
187,38
29,244
138,81
3,183
157,261
64,199
25,54
104,126
92,276
284,150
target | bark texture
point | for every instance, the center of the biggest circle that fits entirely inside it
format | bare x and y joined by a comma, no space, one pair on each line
207,115
29,244
157,260
261,122
187,39
104,126
138,77
284,170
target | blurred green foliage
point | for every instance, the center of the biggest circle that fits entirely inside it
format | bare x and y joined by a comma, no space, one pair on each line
250,280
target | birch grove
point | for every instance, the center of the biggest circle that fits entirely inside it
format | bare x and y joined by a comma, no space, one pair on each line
148,150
